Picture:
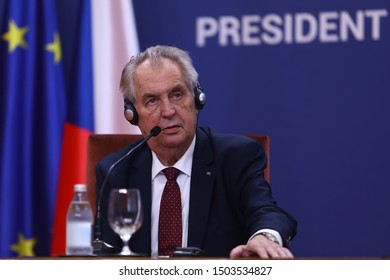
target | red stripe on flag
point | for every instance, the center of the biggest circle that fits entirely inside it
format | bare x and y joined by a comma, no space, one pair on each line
72,171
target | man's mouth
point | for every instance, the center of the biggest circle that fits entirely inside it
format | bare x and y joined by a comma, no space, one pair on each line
170,129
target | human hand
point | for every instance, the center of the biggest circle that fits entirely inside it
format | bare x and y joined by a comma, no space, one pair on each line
260,246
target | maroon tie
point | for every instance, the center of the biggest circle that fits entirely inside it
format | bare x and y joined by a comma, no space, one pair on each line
170,224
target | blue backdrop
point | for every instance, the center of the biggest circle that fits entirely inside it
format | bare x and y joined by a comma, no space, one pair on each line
315,77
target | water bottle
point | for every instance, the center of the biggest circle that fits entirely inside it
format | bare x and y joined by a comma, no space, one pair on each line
79,222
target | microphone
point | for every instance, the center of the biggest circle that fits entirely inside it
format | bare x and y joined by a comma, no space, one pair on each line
99,245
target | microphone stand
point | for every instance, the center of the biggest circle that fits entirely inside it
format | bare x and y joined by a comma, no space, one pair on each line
98,245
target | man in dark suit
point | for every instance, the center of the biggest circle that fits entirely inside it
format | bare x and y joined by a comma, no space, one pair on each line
227,208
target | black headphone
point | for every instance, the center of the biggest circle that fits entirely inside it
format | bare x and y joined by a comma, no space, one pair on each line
132,116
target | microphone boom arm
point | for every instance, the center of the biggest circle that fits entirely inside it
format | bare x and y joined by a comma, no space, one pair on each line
98,244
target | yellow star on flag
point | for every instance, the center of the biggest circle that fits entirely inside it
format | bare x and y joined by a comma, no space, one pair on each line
24,247
55,47
15,36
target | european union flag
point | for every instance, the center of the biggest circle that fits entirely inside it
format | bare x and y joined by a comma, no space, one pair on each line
32,116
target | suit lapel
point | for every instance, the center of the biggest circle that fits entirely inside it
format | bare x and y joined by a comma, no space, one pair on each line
202,182
140,177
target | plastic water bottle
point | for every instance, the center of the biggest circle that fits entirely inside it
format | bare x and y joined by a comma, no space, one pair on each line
79,222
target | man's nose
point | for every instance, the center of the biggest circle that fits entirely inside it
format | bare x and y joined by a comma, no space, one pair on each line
167,108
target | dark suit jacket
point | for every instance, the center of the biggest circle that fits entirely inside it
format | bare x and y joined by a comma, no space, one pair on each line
229,198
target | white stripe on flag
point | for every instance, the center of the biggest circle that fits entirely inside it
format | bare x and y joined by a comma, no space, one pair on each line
114,42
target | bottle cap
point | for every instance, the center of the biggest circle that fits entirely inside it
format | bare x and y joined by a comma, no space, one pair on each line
80,188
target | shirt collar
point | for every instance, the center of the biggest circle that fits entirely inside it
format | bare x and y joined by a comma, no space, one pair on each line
184,164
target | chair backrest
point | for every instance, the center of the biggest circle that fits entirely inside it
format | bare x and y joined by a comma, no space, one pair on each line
101,145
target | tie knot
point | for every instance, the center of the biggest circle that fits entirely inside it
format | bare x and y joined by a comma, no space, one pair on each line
171,173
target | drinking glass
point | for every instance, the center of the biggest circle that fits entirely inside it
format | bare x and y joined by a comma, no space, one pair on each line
125,215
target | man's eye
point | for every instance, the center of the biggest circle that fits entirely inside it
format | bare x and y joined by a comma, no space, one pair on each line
151,101
177,95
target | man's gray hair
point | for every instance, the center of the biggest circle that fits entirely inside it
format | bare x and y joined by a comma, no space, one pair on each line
155,55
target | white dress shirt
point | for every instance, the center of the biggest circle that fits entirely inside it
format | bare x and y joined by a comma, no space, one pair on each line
184,164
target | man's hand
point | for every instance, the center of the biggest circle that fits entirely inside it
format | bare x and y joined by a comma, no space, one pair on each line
260,246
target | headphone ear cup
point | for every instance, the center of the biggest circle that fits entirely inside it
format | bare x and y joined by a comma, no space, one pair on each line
130,112
200,97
